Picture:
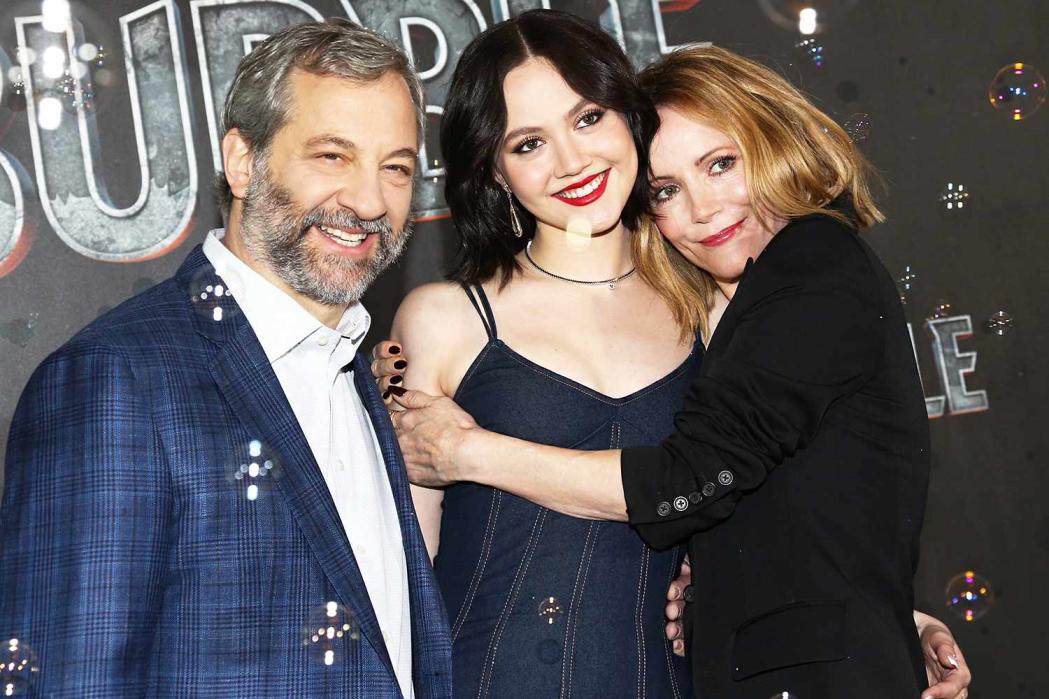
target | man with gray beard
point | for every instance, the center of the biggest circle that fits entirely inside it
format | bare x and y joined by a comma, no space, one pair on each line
204,492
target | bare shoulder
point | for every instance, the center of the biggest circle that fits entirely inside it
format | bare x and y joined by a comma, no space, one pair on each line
440,333
432,312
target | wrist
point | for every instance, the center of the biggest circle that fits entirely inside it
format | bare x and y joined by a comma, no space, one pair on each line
468,453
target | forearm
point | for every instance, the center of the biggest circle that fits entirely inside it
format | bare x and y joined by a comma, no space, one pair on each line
584,484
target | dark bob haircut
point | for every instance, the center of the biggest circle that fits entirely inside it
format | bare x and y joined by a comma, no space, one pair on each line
474,123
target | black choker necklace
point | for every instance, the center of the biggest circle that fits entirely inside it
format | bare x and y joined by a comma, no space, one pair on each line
610,282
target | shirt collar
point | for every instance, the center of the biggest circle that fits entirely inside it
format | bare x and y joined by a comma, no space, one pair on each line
279,322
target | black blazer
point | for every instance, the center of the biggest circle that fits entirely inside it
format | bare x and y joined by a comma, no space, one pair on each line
798,472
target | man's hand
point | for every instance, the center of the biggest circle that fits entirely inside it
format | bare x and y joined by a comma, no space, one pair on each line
675,610
431,431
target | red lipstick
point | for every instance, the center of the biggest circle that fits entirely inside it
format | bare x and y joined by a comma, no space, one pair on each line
722,236
588,198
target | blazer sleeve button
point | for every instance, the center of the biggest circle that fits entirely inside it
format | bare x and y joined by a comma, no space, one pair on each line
708,489
680,503
725,478
663,509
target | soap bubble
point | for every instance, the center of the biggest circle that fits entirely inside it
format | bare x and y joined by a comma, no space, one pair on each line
17,667
955,197
1000,323
969,595
1018,90
550,610
255,469
858,127
212,294
328,631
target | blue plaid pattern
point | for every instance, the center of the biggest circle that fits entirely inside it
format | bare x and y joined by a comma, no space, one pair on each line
132,563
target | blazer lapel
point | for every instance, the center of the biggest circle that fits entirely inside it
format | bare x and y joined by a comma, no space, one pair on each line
431,638
244,376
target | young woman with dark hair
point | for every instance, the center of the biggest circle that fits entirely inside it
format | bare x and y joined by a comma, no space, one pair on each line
796,471
551,332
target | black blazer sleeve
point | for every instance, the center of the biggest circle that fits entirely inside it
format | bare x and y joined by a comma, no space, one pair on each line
805,330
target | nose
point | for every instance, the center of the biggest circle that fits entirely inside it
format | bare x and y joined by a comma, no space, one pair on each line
571,159
705,204
362,194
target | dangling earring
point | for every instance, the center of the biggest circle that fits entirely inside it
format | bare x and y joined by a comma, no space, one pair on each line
515,224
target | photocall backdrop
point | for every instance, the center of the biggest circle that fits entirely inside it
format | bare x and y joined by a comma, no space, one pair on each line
109,140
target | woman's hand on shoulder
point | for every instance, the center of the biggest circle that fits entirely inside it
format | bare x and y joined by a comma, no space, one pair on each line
388,367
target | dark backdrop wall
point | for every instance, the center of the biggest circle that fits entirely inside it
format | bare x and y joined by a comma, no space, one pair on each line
108,144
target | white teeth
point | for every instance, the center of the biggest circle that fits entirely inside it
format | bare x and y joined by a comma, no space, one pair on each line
585,189
350,240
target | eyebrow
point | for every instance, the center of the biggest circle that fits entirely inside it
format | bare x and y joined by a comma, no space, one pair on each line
340,142
330,140
656,178
529,129
404,153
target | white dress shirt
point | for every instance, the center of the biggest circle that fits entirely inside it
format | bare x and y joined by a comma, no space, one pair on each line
311,363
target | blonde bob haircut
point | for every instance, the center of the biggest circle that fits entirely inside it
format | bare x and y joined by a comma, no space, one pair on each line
797,160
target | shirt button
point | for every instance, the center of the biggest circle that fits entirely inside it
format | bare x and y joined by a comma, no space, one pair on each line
323,342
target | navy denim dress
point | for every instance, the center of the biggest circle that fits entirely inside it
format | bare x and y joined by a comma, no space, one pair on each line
543,604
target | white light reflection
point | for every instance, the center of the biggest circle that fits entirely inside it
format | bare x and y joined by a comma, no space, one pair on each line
807,21
55,14
49,113
87,52
54,62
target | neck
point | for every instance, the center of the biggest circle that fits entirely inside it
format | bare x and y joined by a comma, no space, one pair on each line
728,288
234,241
583,256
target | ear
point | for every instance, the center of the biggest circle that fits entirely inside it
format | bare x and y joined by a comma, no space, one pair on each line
236,158
500,181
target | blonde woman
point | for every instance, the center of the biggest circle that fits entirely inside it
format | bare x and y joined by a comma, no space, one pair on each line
798,468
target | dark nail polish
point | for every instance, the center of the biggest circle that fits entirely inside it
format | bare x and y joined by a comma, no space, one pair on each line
385,395
398,390
394,349
395,379
400,364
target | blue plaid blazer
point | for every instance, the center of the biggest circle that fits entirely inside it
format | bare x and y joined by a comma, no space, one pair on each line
132,564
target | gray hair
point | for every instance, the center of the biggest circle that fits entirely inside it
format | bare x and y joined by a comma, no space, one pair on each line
258,100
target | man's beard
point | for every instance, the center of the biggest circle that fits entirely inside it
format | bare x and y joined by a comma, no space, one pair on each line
275,230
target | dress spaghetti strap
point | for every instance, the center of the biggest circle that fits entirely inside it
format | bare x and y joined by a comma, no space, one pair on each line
483,308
